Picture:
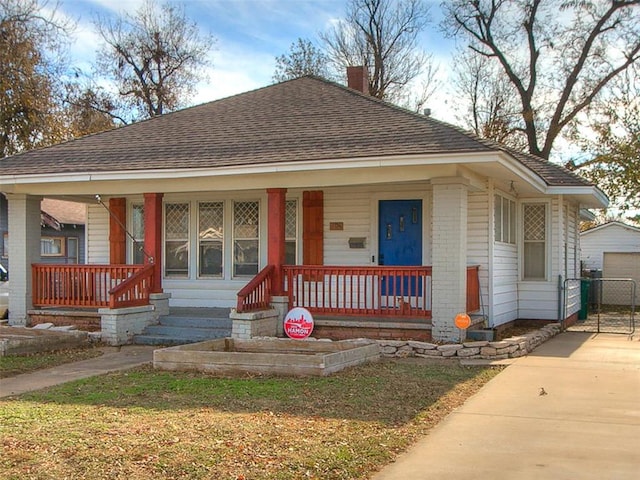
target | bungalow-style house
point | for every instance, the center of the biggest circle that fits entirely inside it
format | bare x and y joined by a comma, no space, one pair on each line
380,221
61,236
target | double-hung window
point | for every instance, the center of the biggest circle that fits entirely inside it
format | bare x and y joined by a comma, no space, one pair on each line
504,219
176,243
534,237
291,231
137,232
210,239
246,230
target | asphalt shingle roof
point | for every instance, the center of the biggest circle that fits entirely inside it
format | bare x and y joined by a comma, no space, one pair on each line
299,120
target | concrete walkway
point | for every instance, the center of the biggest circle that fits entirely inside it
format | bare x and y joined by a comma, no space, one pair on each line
113,359
584,425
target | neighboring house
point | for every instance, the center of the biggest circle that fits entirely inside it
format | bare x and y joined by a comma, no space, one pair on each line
386,213
61,235
614,249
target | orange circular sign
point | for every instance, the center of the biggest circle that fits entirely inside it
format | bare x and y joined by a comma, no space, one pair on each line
462,321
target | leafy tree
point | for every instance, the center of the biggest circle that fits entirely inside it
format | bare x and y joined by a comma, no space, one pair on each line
32,39
304,58
156,57
612,144
559,56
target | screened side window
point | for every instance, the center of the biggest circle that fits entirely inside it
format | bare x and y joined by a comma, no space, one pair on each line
504,219
291,230
210,239
246,240
176,234
137,231
534,241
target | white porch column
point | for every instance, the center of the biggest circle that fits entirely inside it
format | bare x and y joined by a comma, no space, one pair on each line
24,249
449,256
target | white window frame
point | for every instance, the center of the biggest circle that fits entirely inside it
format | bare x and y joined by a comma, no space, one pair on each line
187,240
498,219
547,241
139,241
198,241
295,238
234,238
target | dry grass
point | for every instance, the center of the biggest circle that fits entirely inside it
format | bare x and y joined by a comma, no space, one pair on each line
12,365
145,424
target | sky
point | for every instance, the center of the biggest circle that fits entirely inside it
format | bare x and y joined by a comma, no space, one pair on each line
249,35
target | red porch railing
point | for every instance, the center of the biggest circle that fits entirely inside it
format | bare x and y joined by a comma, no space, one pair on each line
366,291
134,290
90,286
256,295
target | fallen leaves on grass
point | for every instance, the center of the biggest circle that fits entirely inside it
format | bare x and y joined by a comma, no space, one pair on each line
149,424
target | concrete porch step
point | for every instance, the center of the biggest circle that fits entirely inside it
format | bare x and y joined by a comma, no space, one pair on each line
144,339
187,325
195,322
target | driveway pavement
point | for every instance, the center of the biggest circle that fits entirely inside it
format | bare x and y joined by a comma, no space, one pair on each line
570,410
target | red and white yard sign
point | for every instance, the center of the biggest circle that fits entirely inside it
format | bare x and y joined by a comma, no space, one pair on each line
298,324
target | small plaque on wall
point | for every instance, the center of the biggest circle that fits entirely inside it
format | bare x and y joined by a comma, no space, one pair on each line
336,225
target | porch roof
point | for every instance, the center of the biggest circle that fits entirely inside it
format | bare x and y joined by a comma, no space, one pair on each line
301,120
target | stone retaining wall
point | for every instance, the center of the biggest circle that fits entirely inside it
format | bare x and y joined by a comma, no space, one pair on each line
512,347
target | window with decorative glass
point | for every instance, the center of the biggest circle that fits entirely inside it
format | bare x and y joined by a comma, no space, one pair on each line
137,232
176,234
246,228
210,239
291,231
504,219
534,238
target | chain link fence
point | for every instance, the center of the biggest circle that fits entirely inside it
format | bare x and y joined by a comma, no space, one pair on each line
606,305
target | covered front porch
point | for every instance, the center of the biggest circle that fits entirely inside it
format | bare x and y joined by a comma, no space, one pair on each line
413,300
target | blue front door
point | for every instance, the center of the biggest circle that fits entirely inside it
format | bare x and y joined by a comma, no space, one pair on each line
400,238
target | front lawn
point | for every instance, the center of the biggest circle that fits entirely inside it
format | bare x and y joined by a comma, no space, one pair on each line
144,424
12,365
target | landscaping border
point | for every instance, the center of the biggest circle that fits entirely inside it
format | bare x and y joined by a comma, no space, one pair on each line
512,347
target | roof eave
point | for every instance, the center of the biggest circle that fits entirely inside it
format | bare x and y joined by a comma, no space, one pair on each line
589,196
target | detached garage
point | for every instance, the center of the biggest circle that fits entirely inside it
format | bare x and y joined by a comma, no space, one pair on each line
613,248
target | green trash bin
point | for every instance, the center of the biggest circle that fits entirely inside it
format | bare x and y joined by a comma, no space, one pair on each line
584,299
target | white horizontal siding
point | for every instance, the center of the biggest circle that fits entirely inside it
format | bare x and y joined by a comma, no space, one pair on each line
353,210
505,283
478,241
610,238
97,234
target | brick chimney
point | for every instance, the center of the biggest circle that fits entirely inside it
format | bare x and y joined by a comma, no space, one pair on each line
358,79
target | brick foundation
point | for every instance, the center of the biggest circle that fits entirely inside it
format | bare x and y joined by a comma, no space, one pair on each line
346,333
85,321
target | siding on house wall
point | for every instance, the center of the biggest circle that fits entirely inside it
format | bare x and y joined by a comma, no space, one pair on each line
505,283
611,238
4,227
541,299
97,234
478,241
